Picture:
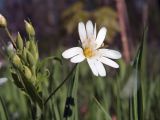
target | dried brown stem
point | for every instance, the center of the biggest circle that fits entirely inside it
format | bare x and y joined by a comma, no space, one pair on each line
122,16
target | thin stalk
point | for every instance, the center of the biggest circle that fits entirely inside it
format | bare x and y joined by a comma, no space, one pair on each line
53,92
135,114
10,36
102,109
130,109
4,108
118,101
123,22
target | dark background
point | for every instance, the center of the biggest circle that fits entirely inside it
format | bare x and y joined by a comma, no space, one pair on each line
56,22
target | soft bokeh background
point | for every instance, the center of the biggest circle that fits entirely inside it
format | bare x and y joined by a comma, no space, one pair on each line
56,21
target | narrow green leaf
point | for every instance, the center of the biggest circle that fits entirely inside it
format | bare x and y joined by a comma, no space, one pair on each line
16,81
102,109
4,108
138,98
71,111
67,77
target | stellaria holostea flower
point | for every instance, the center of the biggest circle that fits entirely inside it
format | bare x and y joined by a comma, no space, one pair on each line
91,49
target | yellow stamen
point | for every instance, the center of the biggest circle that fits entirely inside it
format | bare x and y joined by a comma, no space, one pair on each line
88,52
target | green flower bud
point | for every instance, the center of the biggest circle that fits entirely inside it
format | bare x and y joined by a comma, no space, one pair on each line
16,60
19,42
24,54
10,49
27,45
33,50
30,59
3,22
27,72
29,28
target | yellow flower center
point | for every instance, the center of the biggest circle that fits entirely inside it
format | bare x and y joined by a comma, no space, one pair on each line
88,52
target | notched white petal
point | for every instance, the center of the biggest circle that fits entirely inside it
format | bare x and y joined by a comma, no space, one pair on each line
108,62
101,36
113,54
100,68
92,65
77,59
89,29
72,52
82,31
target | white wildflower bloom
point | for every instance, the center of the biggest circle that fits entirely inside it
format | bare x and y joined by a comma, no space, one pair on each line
91,49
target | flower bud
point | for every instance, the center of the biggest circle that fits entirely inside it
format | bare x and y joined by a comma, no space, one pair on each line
29,28
30,59
27,72
3,22
10,49
19,42
33,50
27,45
16,60
24,54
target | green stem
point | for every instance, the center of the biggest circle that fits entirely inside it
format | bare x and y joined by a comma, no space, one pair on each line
118,100
102,109
10,36
4,108
49,97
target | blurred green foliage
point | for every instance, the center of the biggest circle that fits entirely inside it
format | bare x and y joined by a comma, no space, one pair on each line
105,16
118,94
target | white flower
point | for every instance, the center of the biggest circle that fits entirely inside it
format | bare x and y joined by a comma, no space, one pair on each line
91,49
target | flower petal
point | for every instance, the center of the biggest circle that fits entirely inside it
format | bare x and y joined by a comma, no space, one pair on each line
72,52
89,29
78,58
100,68
95,31
108,62
113,54
101,36
91,63
82,31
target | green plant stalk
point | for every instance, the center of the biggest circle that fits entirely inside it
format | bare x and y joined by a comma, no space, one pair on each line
10,36
4,108
57,116
118,101
130,109
74,93
138,97
135,110
34,106
102,109
142,75
52,93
